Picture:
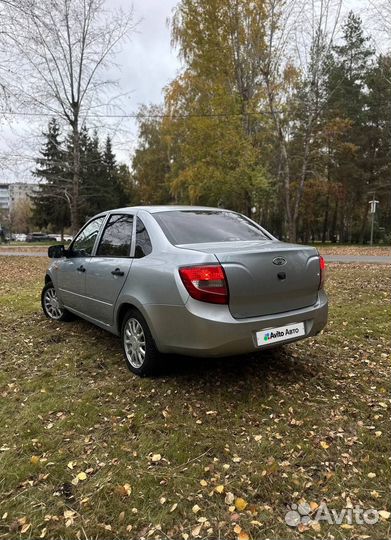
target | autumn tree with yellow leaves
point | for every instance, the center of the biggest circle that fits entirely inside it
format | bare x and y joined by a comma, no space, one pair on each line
254,121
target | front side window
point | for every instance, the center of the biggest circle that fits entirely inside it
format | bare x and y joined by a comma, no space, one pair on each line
85,240
117,237
203,226
143,242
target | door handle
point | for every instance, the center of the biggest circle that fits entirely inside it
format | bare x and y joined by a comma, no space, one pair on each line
117,272
81,268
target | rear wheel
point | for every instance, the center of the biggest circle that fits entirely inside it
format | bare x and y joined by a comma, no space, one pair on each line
52,306
140,352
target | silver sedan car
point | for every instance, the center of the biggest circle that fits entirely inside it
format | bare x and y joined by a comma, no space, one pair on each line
189,280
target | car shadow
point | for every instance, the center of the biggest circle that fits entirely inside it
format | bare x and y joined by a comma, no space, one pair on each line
264,366
285,364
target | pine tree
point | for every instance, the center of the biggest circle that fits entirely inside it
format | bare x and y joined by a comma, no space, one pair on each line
347,100
101,187
51,203
377,151
116,195
93,178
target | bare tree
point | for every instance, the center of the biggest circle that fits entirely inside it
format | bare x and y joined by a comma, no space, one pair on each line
60,49
299,36
380,13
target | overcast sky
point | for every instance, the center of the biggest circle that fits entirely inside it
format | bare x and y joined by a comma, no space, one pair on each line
147,63
144,65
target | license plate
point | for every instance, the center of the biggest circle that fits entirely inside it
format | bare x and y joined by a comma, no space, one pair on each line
282,333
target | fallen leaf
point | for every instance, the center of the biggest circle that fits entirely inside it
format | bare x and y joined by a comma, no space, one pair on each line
69,516
240,504
243,536
371,475
229,498
196,508
219,488
81,476
173,507
156,457
196,531
384,514
324,445
35,460
25,528
124,491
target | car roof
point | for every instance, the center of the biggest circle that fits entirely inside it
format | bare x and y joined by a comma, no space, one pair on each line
161,208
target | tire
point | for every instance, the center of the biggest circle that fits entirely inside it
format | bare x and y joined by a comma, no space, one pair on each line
51,305
140,352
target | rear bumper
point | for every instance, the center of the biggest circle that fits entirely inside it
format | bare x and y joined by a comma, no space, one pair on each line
201,329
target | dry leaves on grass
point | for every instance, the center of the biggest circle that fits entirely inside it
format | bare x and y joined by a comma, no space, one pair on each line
294,425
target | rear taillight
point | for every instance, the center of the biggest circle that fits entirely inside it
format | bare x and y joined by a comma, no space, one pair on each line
322,271
206,283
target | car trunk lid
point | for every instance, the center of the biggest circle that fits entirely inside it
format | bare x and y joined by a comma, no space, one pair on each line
266,277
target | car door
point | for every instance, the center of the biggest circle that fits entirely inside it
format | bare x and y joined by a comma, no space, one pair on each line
73,269
109,267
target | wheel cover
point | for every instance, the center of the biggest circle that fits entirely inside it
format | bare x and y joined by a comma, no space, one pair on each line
134,343
52,304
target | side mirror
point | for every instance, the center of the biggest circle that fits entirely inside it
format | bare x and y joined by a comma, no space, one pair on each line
56,252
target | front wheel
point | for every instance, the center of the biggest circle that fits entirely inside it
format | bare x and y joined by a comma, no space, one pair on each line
140,352
51,305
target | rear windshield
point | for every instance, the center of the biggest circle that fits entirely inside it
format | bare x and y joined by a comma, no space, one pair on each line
203,226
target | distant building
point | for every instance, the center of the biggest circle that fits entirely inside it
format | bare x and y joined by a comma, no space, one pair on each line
4,197
12,193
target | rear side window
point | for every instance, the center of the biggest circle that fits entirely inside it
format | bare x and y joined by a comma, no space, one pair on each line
117,237
143,242
203,226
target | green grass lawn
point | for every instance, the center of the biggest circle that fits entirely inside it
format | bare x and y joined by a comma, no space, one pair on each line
210,449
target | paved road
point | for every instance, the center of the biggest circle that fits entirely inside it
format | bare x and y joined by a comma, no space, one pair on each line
363,259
